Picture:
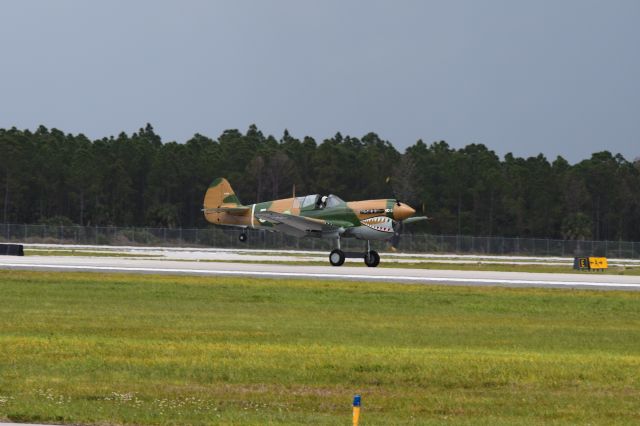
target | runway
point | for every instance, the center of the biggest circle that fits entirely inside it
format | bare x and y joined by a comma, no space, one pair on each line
283,271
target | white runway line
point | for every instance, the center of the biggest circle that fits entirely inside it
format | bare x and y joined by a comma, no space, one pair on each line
321,253
26,424
361,277
186,253
23,424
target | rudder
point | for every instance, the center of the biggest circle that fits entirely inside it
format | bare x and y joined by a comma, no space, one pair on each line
220,194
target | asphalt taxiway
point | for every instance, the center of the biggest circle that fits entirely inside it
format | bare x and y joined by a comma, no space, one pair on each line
346,272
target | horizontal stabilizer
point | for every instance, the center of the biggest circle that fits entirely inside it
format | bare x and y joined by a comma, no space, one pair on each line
239,211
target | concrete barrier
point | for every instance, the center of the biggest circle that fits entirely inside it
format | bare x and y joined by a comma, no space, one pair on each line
11,250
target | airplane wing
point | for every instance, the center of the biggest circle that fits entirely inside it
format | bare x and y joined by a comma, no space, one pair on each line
238,211
298,226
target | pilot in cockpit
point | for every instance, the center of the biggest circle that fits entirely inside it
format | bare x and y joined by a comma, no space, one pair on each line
322,202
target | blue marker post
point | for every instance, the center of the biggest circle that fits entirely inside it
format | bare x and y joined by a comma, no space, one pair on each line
356,410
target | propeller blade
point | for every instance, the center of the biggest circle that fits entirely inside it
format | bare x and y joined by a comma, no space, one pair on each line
393,191
397,229
398,225
415,219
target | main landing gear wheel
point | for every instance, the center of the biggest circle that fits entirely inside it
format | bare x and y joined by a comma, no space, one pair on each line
243,237
336,257
372,259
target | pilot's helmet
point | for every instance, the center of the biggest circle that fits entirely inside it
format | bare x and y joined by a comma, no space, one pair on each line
324,199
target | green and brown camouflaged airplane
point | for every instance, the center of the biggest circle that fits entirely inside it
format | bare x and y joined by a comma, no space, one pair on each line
311,216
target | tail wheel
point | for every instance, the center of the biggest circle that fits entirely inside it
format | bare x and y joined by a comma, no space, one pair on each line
336,257
372,259
243,237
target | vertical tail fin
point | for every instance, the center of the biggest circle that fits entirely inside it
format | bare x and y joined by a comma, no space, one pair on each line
220,194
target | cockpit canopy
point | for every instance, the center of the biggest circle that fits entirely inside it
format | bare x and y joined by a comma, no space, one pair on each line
308,201
333,201
317,201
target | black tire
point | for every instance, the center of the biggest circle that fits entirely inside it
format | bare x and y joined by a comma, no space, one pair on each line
243,237
372,259
336,257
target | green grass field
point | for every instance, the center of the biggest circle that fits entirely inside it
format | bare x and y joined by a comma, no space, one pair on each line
95,349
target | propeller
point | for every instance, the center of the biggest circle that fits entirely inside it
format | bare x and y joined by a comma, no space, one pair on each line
398,225
397,230
393,192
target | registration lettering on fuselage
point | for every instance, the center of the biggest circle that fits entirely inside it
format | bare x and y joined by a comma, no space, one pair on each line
371,211
375,211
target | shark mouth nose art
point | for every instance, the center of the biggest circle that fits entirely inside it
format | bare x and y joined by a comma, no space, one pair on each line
379,223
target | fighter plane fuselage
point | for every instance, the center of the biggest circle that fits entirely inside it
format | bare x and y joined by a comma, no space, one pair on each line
322,216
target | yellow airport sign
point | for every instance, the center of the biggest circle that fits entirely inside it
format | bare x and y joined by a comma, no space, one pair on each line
598,263
590,263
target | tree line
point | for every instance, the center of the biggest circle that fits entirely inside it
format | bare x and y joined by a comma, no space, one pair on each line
47,176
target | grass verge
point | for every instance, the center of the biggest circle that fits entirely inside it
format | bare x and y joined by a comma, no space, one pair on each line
140,349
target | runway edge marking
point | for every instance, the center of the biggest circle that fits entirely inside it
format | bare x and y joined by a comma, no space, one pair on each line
322,275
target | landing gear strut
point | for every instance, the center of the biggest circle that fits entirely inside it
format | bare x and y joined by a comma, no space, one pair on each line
337,256
243,237
371,257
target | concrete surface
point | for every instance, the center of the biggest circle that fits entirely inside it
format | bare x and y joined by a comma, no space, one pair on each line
346,272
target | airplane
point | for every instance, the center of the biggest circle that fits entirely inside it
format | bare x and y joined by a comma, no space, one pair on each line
320,216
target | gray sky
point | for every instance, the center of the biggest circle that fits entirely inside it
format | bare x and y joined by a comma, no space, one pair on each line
553,76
